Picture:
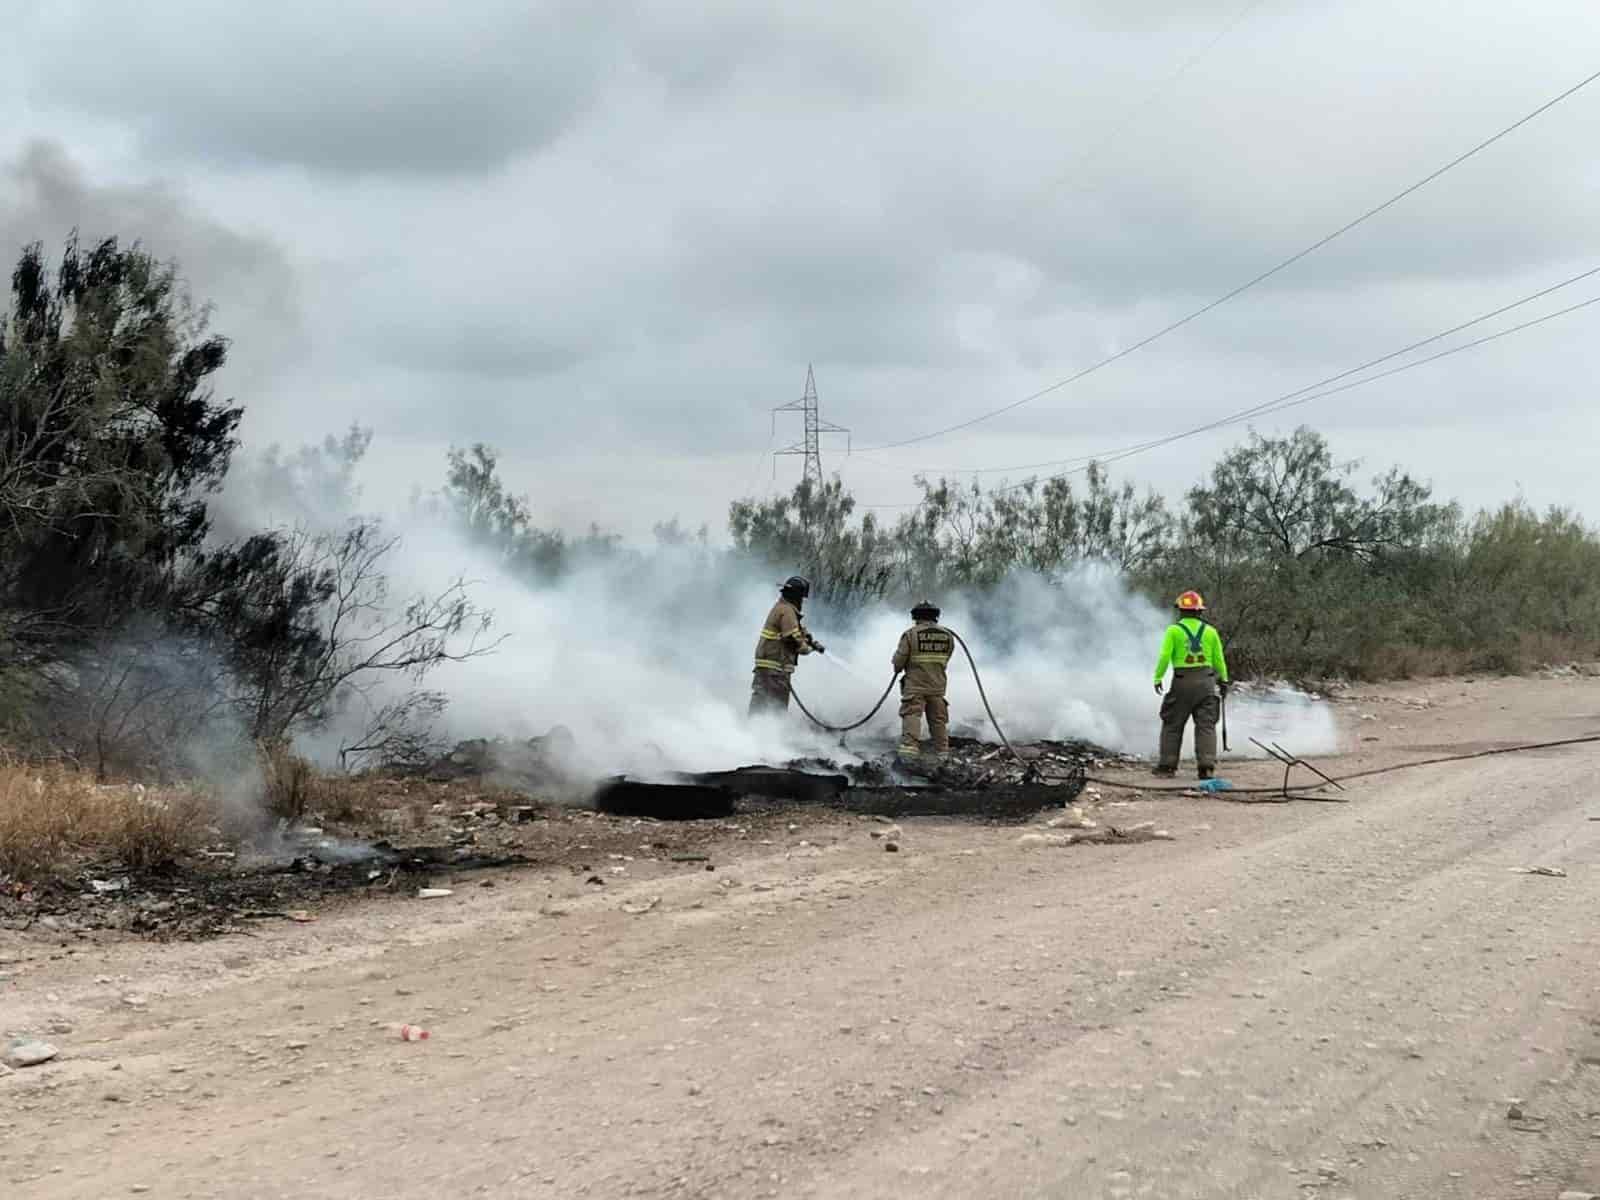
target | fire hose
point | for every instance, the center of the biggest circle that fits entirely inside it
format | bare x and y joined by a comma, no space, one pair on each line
1284,791
976,678
1335,780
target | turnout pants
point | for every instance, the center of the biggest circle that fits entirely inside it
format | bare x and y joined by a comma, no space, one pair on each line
912,709
769,692
1193,694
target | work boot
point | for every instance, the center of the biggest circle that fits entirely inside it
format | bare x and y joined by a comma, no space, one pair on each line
1164,772
1207,772
908,750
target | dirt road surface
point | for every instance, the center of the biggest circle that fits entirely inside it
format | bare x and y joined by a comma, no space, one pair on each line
1302,1000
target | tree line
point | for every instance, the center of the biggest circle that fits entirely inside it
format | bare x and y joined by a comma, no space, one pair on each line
126,628
128,621
1314,572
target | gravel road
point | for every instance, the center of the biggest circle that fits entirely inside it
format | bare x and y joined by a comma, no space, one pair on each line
1302,1000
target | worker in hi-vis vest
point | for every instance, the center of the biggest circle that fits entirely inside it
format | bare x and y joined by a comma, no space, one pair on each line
1193,649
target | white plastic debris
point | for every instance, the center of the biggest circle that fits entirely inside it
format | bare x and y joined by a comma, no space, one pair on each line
433,893
29,1052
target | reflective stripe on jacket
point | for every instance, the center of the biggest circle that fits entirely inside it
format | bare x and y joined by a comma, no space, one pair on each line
923,654
783,639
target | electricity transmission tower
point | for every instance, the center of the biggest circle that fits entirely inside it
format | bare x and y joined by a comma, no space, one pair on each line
811,447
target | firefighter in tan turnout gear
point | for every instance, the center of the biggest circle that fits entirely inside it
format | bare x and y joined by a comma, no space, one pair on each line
1193,649
922,656
783,640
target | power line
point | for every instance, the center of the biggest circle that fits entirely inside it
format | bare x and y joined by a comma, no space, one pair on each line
1153,95
1276,401
1246,286
1294,399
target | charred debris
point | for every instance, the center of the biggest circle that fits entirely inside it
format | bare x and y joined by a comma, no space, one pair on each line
474,809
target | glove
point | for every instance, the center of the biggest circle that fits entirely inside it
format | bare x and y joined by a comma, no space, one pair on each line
818,646
1158,689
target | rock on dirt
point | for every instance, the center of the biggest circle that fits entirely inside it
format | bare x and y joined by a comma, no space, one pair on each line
29,1052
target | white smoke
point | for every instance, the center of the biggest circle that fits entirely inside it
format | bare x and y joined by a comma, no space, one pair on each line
647,660
646,656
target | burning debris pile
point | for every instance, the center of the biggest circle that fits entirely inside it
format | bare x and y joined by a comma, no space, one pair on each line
400,838
975,779
975,764
537,764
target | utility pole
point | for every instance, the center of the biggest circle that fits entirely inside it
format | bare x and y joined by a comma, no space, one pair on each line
811,447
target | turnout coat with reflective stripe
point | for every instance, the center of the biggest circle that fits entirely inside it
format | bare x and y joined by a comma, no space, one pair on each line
923,654
783,639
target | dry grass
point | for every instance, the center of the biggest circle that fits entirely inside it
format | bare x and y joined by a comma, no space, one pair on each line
295,788
53,815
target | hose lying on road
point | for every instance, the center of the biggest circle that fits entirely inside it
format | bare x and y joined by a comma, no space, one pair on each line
1287,793
1366,774
976,678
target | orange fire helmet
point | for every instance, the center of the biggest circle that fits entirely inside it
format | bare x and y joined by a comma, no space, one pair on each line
1191,602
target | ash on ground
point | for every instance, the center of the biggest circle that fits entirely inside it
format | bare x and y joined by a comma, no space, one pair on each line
974,764
539,765
457,821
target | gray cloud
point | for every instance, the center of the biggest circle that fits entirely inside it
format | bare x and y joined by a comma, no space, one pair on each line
365,87
617,232
44,196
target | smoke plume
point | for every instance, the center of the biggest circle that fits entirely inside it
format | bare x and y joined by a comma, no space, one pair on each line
647,658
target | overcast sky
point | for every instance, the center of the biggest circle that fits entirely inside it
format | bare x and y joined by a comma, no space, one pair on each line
607,236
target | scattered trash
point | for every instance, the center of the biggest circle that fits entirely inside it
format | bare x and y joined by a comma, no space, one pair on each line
102,887
1214,785
636,909
1044,839
892,847
1552,872
410,1033
1073,818
433,893
29,1052
1144,831
300,915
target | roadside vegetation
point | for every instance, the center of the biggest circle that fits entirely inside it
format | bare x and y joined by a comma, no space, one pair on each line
138,641
1314,570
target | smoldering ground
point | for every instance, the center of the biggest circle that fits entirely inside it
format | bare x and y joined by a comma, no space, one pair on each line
645,655
646,658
